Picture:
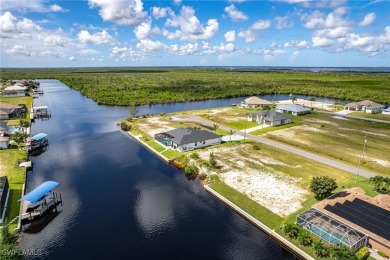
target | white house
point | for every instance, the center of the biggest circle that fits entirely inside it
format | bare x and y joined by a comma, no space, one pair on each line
268,117
4,142
386,111
14,91
366,106
254,102
187,139
292,109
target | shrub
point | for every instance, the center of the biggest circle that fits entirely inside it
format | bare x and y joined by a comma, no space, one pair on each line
212,161
342,252
291,230
304,238
363,253
125,126
256,147
191,169
320,249
162,114
382,254
213,177
203,176
322,186
194,156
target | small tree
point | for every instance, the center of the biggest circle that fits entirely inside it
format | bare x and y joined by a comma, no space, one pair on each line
323,186
320,249
231,132
312,99
212,161
293,99
291,230
24,124
304,238
215,127
18,137
133,111
363,253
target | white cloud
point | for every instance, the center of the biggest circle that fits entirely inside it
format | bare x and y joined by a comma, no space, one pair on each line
337,32
316,3
128,12
261,25
100,38
221,48
23,5
72,58
19,50
126,53
249,35
294,56
296,44
57,8
282,22
190,26
143,30
230,36
368,20
10,27
151,46
161,12
185,49
234,14
53,39
321,42
177,2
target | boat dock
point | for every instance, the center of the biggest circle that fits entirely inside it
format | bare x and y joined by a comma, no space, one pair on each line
29,217
40,113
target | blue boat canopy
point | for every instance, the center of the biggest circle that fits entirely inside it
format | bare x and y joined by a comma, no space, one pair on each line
39,136
39,191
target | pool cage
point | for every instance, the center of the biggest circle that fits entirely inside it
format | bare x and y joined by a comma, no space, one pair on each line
330,230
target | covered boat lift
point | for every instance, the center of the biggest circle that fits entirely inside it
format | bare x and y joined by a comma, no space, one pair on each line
45,199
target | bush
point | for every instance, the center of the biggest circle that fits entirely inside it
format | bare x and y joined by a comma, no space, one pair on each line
342,253
194,156
203,176
362,254
191,169
304,238
320,249
256,147
382,254
322,186
125,126
212,161
162,114
292,230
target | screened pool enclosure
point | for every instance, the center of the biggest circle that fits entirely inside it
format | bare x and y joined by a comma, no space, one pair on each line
331,230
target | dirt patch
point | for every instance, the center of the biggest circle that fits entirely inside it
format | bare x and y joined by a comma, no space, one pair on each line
278,193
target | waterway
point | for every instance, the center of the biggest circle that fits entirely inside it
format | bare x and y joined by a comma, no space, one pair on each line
121,201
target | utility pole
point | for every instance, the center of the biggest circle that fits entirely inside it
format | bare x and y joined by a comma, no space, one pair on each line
244,133
361,157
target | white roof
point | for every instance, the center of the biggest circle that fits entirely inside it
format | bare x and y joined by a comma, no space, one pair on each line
292,108
41,107
14,87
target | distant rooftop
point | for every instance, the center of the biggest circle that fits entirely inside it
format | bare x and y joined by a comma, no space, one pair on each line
292,108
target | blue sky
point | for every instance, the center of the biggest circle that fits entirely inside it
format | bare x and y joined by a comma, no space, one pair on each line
40,33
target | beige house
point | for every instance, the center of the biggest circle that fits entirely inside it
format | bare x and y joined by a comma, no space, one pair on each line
254,102
366,106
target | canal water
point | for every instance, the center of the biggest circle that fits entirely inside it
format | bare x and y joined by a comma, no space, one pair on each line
121,201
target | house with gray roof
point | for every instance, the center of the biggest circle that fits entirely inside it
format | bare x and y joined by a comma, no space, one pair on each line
187,139
269,117
292,109
14,91
366,106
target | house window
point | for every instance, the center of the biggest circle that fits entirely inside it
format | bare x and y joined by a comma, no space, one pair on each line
196,143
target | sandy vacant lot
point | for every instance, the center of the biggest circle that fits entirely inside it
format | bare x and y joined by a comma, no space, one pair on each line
254,176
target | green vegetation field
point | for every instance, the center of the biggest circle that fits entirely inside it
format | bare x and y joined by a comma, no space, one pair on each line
120,86
367,115
340,139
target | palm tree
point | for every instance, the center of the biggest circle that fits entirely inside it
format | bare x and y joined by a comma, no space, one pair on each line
132,110
24,124
231,132
293,99
312,99
320,249
19,137
215,127
305,239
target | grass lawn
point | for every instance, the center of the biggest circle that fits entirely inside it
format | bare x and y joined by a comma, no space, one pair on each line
274,128
16,177
379,116
241,125
172,154
27,100
340,139
152,143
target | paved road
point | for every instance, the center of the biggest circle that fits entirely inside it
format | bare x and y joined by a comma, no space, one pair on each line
355,117
288,148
